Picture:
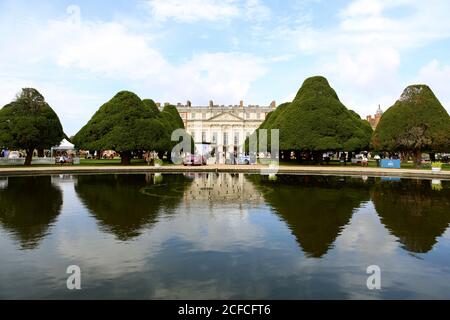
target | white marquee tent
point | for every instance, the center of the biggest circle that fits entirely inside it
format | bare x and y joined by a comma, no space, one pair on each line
64,146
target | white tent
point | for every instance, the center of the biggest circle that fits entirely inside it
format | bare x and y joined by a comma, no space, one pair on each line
64,145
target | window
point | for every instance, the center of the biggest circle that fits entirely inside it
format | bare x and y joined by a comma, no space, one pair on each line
236,138
225,138
203,116
193,135
258,115
214,137
203,136
247,115
193,115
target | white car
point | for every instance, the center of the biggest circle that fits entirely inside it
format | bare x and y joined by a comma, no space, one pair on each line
194,160
357,159
14,155
243,160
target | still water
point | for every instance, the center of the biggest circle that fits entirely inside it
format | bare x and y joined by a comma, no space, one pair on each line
223,236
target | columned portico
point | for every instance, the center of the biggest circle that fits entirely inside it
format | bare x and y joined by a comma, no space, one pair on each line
225,128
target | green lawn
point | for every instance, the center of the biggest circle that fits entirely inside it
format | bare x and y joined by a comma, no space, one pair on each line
141,162
372,164
114,162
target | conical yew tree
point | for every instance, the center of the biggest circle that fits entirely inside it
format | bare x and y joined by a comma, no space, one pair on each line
416,123
317,121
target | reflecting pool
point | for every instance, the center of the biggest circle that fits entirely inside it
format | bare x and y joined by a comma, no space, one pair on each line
223,236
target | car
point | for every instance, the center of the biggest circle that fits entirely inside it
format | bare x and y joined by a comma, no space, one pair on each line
14,155
243,160
357,159
194,160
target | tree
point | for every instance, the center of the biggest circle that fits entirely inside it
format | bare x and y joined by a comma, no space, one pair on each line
29,123
128,124
29,220
170,113
320,220
108,197
317,121
414,213
416,123
122,124
172,121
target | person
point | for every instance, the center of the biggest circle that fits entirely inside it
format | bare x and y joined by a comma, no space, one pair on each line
364,160
343,158
377,159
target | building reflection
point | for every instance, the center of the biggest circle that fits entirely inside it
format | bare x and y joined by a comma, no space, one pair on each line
414,211
28,207
222,188
315,208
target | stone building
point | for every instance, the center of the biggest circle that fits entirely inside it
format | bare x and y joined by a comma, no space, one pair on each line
224,128
374,120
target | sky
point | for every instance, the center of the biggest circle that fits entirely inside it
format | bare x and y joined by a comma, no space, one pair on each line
80,53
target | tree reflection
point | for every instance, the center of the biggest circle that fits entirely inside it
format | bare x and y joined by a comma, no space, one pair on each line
315,208
28,206
414,212
125,204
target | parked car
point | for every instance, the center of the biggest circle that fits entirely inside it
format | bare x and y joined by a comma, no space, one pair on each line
357,159
194,160
63,159
243,159
14,155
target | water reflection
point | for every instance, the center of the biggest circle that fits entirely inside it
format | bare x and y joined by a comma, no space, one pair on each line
125,204
221,188
28,206
414,211
315,208
223,236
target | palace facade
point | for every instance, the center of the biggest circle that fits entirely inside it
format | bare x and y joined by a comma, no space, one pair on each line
223,128
375,119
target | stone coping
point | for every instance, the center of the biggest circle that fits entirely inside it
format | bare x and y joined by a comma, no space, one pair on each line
305,170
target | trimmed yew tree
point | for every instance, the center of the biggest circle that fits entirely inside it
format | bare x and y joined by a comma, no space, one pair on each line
29,123
126,124
317,121
416,123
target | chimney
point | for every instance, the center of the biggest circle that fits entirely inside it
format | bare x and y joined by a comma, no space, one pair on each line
273,104
211,103
241,103
166,104
158,104
189,104
178,105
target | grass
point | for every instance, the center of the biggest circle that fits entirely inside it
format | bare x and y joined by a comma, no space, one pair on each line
371,164
141,162
115,162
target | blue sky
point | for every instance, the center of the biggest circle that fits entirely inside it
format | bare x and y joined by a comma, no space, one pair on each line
80,53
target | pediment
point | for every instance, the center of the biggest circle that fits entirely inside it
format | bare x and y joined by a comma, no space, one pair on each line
226,116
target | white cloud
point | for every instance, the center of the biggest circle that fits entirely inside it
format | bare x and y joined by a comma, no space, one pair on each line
193,10
397,24
361,53
366,78
109,51
73,107
101,47
255,10
224,77
437,76
189,11
366,67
